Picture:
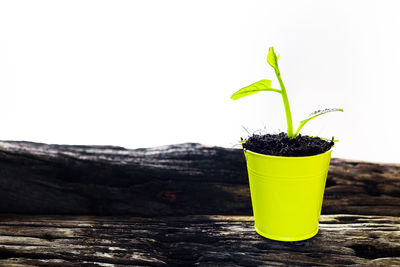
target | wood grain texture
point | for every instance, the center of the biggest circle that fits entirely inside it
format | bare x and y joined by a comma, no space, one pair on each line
192,240
172,180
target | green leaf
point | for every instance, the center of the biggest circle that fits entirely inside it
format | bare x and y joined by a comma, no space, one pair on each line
272,59
263,85
321,112
315,114
244,128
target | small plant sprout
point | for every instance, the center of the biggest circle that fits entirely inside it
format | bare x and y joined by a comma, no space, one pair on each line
265,85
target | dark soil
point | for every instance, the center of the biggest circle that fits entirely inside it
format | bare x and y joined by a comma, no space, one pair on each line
281,145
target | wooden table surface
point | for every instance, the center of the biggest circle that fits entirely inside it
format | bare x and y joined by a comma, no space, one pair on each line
192,240
179,205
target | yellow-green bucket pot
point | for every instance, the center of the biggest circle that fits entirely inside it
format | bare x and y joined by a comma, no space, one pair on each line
287,194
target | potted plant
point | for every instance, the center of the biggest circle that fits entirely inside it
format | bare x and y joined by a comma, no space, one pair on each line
287,171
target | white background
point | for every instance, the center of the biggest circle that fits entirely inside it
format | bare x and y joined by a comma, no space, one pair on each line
149,73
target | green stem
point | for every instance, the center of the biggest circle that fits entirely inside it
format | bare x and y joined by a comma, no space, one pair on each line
298,129
286,104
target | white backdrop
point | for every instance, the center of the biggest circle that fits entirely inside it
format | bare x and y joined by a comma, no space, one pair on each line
149,73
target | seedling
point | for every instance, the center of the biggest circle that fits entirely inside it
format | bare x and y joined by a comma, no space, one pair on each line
265,85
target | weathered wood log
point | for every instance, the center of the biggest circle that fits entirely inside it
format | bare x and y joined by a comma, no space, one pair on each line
192,240
172,180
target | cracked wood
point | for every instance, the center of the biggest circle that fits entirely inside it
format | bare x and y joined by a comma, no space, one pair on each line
192,240
171,180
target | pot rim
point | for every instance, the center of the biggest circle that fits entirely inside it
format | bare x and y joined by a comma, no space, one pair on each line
285,157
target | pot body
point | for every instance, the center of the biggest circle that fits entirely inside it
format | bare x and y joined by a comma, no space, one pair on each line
287,194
